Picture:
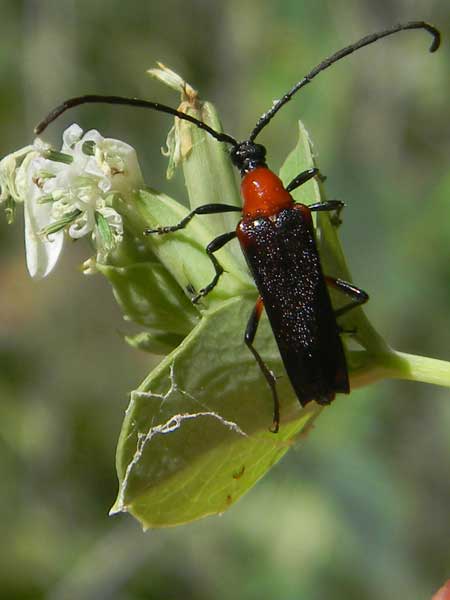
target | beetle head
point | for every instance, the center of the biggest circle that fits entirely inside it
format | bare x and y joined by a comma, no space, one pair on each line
247,155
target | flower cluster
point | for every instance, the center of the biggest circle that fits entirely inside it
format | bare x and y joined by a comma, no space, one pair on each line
68,192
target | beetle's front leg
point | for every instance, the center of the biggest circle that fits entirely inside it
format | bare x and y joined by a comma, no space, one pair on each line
204,209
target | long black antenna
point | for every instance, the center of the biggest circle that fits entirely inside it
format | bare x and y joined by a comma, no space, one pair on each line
94,99
365,41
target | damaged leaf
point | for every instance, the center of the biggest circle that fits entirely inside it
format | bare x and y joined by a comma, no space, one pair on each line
196,434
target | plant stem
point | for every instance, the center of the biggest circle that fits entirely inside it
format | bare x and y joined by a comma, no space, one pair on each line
367,367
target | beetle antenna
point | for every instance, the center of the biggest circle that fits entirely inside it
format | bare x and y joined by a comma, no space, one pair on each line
94,99
365,41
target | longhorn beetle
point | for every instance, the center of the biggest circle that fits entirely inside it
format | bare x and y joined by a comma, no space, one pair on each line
277,238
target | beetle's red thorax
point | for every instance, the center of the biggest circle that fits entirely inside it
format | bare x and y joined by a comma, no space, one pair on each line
263,193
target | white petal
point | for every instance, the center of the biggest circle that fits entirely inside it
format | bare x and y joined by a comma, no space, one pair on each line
83,225
92,136
131,178
41,146
42,253
71,136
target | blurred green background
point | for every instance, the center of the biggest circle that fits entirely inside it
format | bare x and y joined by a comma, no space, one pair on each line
360,511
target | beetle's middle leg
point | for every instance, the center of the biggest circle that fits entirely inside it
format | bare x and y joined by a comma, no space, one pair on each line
359,296
249,338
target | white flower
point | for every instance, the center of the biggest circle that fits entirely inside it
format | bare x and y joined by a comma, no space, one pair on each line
69,191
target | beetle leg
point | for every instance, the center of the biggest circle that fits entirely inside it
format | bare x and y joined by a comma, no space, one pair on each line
329,205
249,338
302,178
359,296
204,209
212,247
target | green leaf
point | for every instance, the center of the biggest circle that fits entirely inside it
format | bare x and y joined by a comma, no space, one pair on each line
154,342
196,434
300,159
150,296
183,252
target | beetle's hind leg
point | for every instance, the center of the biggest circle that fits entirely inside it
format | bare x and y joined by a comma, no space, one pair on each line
359,296
249,338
